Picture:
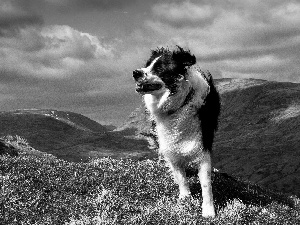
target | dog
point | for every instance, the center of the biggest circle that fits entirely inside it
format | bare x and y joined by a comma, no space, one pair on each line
184,105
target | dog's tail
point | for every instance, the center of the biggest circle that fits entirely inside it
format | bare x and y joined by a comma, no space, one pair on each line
209,113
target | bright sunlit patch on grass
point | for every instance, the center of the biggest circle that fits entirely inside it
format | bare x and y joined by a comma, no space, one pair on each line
237,84
289,112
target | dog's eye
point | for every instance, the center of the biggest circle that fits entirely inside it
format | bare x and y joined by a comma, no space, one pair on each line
158,70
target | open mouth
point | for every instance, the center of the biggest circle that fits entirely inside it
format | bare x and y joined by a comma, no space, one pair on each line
147,87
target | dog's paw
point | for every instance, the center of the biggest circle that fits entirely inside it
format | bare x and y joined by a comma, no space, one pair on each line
208,210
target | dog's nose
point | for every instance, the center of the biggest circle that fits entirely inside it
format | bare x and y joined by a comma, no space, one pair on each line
137,74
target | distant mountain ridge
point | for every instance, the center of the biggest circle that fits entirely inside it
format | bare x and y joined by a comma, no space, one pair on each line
69,135
259,132
75,120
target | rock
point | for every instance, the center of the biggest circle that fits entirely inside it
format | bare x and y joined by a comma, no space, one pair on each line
5,148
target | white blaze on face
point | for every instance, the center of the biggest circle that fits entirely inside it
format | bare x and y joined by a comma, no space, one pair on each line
148,69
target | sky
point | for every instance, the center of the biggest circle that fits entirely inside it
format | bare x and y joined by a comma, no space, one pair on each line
78,55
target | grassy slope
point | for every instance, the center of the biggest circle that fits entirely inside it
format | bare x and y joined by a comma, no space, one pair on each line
259,133
40,190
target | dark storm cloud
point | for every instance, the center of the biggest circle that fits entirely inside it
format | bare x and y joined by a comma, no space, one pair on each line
15,15
12,77
11,21
93,4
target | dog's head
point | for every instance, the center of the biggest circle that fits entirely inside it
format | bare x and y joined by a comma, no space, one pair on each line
165,69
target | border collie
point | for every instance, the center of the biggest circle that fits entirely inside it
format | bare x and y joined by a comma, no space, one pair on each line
185,105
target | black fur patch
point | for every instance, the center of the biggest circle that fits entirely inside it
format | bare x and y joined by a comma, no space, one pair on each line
209,113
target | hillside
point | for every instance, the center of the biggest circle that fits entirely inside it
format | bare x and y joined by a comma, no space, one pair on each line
68,135
24,118
259,132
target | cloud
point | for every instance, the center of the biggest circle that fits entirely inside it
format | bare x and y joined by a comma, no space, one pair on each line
50,51
227,33
184,13
66,42
92,4
15,15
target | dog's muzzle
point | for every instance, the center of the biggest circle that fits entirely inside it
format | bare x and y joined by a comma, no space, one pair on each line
142,84
138,74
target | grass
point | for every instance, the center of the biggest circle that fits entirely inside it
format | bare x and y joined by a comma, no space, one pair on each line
44,190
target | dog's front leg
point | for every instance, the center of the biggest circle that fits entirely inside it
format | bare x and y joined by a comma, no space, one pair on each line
180,178
208,209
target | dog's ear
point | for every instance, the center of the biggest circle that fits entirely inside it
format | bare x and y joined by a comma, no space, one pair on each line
184,57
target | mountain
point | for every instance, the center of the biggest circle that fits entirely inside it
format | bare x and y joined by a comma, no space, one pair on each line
259,132
23,119
69,136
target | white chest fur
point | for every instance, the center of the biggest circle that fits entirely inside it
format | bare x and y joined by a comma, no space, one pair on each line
179,135
155,102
